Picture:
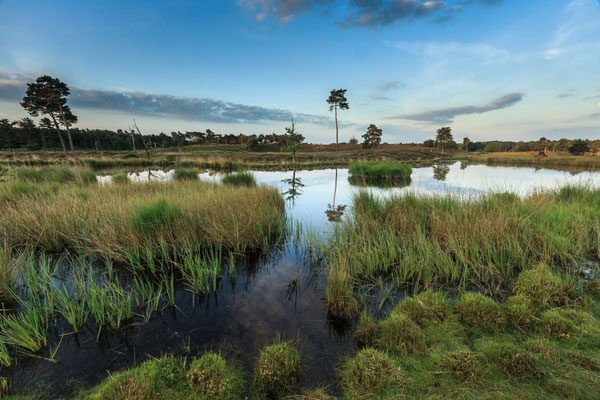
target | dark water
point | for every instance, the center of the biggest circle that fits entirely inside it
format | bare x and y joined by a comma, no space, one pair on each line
281,294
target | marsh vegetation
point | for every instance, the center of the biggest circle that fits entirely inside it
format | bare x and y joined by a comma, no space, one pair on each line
451,296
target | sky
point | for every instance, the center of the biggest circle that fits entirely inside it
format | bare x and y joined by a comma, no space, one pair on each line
490,69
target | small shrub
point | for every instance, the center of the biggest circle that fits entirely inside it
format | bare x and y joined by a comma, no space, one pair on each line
399,334
367,328
478,311
156,216
427,307
239,179
185,174
462,364
277,369
368,373
120,179
556,326
212,378
513,361
521,311
542,287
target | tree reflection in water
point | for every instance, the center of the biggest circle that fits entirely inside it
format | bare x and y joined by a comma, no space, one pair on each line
295,189
334,213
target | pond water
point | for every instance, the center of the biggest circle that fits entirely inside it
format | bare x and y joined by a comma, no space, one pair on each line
280,294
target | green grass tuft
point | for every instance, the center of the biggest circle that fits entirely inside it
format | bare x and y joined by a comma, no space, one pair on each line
239,179
211,377
521,311
366,330
426,308
120,179
156,216
542,287
370,374
380,173
556,326
276,370
186,174
399,334
478,311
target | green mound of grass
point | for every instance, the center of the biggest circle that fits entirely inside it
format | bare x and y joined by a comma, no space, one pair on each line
120,179
370,374
427,307
276,370
399,334
366,330
512,360
211,377
239,179
156,216
154,379
542,287
556,326
186,174
521,311
380,172
478,311
462,364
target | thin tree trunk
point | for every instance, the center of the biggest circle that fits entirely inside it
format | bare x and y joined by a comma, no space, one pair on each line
336,130
62,142
62,114
43,139
133,141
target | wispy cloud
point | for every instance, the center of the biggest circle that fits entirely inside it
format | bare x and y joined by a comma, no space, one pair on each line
282,10
389,85
447,115
568,93
370,14
429,7
12,88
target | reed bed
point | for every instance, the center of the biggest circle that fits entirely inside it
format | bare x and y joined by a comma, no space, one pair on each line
120,221
484,242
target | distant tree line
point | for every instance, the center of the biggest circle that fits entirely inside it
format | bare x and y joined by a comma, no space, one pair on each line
26,134
576,146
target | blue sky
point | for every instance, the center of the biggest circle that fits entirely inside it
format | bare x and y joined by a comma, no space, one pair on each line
490,69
